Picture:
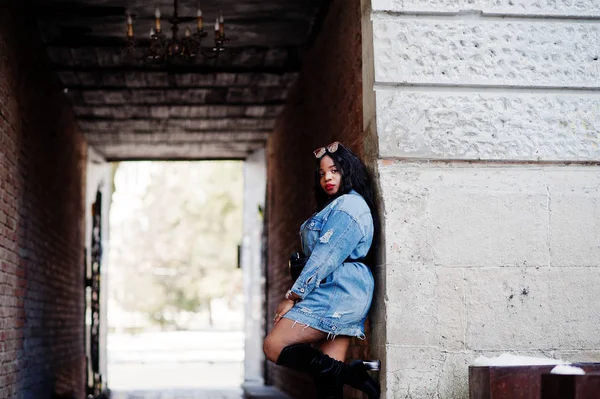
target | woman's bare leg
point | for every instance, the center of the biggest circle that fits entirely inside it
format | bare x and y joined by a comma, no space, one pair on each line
336,348
285,333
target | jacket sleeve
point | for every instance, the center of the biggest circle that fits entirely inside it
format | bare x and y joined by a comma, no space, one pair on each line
339,236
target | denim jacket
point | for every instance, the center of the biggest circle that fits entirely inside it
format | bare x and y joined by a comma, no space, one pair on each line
340,231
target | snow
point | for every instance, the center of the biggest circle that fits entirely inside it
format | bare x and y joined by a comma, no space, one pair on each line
508,359
564,369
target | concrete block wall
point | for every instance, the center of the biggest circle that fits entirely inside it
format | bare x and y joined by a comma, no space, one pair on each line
255,182
487,119
324,105
42,165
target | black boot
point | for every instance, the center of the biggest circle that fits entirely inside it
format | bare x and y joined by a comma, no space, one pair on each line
327,372
357,377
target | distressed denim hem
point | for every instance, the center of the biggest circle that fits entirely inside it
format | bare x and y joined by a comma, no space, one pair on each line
326,325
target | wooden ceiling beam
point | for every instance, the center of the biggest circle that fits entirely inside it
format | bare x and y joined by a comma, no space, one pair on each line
84,88
114,80
176,151
177,111
152,118
284,59
215,96
177,137
176,125
177,69
190,104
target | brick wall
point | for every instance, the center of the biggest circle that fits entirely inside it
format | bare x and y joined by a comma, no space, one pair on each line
41,231
325,105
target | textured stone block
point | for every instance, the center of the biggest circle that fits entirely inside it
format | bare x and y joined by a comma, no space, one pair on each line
486,52
405,216
587,356
498,309
466,217
488,125
426,373
491,216
454,383
414,372
411,304
515,7
475,227
511,309
517,309
427,305
575,225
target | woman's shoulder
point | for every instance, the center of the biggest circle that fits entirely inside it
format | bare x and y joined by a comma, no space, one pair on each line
352,203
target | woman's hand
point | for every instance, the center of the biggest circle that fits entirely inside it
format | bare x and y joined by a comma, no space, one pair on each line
282,309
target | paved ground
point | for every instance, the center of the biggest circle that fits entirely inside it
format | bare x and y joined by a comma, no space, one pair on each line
191,375
180,394
176,365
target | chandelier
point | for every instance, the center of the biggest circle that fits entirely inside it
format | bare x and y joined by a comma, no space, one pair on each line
163,48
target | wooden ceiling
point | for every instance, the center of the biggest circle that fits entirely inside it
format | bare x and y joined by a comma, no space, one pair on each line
221,108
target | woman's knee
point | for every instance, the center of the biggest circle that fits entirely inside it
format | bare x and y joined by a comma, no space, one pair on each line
271,348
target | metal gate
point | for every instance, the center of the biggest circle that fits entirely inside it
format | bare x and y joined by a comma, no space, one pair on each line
92,295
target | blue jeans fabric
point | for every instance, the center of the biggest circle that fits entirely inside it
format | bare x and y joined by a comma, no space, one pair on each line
336,294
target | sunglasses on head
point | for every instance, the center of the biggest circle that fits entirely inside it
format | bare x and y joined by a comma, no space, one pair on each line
333,147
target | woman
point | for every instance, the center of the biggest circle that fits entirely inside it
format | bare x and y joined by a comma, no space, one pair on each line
331,297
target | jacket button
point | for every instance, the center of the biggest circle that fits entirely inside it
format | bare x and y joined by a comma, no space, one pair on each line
312,224
334,328
301,289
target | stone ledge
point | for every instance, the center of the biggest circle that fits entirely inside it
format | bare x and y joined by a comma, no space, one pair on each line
564,8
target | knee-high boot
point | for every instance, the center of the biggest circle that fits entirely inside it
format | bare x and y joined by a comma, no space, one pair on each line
327,372
357,377
331,374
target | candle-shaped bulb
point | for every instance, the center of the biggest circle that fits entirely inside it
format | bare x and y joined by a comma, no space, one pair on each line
157,15
152,32
200,21
217,25
221,25
188,32
129,26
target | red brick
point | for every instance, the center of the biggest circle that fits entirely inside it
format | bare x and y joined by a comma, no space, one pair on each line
42,170
325,105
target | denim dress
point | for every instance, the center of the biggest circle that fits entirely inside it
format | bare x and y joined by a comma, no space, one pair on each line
335,288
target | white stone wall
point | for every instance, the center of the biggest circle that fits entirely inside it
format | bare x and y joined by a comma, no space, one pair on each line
488,123
255,182
99,177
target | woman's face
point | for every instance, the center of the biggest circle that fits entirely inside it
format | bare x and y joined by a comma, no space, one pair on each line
331,177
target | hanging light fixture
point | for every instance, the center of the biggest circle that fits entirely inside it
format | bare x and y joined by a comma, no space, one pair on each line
163,48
